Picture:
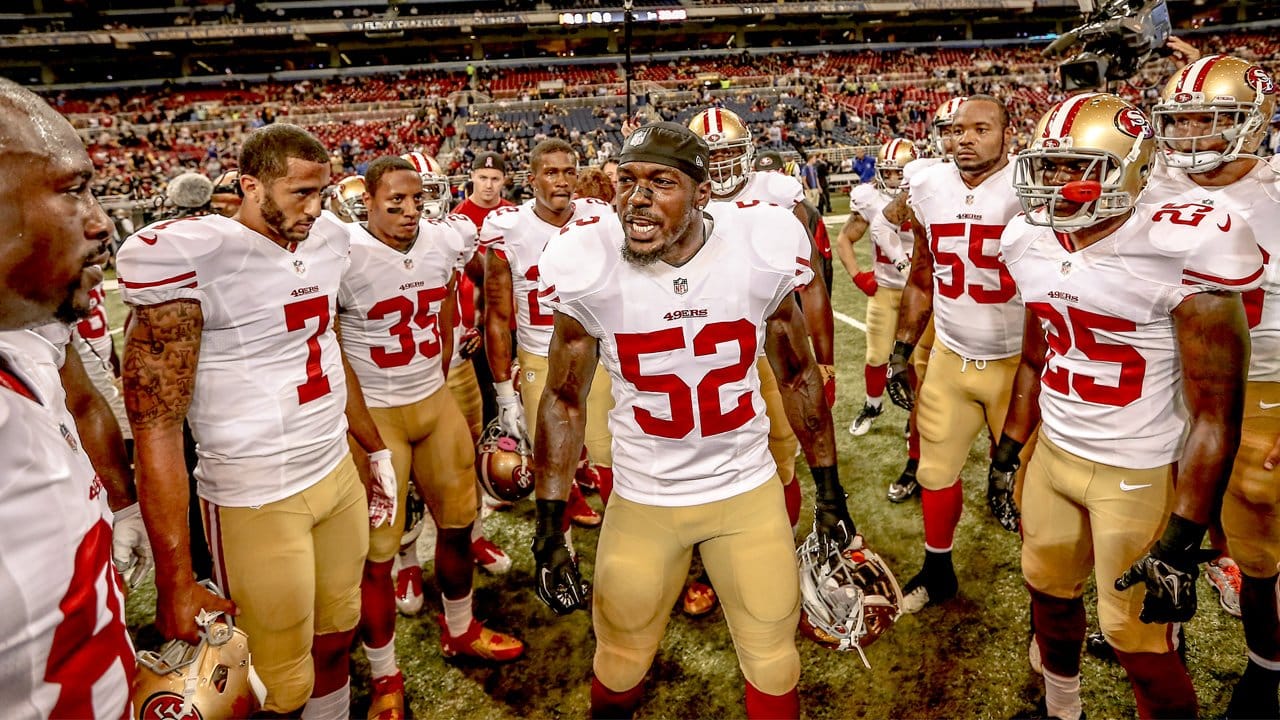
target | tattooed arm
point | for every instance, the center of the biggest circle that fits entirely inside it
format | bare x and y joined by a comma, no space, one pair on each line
161,350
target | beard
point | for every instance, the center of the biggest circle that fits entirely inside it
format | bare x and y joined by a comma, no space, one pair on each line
74,307
275,219
651,255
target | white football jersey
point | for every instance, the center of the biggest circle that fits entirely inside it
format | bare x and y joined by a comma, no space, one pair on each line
869,201
680,345
769,187
470,237
520,236
1111,386
1255,198
976,309
268,409
92,340
64,649
95,329
389,306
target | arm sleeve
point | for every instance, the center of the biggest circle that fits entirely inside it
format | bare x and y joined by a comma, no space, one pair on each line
154,267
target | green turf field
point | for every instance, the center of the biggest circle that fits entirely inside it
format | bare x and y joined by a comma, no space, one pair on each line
965,659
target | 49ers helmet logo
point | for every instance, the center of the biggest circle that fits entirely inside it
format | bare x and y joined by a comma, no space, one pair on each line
1133,123
1258,79
166,706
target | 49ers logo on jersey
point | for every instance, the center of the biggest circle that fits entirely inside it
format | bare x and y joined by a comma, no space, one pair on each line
1258,79
166,706
1133,123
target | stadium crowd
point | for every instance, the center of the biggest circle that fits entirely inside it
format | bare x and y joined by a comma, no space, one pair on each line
797,103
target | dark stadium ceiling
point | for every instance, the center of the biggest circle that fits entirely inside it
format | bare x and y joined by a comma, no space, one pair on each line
68,41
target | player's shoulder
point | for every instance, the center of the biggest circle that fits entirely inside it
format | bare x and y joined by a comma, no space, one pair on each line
462,225
771,235
581,257
178,253
502,221
1213,247
933,179
779,188
333,235
584,207
1019,235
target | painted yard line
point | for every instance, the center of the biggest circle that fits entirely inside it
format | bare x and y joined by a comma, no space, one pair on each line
853,322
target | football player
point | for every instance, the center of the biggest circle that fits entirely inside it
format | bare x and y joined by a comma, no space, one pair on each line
691,454
514,239
396,306
66,651
958,211
886,232
232,330
1209,124
346,201
1133,320
884,282
461,380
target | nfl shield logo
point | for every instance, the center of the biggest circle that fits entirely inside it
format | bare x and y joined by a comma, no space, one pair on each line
1066,267
69,437
681,285
408,264
299,267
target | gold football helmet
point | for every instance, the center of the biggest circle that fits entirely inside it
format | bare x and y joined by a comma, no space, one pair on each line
212,680
435,184
506,464
1104,143
732,148
347,200
1220,101
942,119
892,157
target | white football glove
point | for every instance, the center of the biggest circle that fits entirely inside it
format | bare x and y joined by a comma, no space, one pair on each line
511,411
382,495
130,547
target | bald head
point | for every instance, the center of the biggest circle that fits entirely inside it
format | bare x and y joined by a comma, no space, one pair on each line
53,233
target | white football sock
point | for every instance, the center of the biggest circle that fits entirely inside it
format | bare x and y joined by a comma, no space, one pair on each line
457,614
334,706
876,401
477,530
1062,696
382,661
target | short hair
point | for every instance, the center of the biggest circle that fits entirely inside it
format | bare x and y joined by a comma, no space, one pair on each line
265,153
594,183
1004,109
546,147
383,165
611,160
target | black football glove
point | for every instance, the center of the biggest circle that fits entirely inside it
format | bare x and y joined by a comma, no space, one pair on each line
898,384
558,582
831,514
1169,571
1004,465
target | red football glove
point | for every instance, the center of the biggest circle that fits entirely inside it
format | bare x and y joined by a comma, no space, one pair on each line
866,282
828,373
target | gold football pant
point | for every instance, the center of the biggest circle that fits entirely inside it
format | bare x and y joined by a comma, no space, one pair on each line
782,439
958,396
642,562
1080,516
466,392
533,379
430,443
882,324
293,568
1251,506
